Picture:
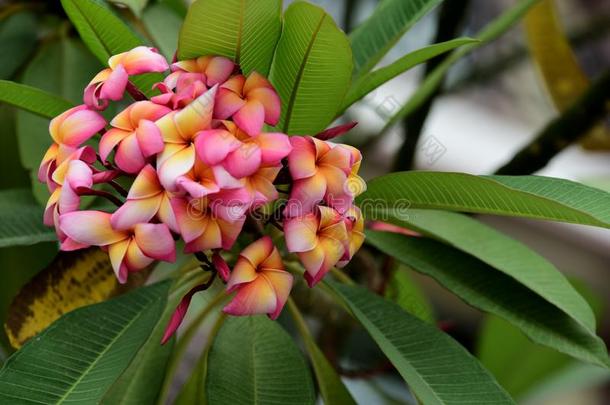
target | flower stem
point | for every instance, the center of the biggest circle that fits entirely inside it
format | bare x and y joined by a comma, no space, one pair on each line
135,93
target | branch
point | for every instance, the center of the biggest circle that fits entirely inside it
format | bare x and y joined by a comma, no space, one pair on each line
564,130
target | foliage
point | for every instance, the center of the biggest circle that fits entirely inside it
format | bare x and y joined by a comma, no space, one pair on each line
80,336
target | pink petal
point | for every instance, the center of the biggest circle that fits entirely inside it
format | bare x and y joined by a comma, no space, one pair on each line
211,238
256,297
230,231
221,266
179,313
271,103
117,252
227,104
149,138
97,231
244,161
305,195
218,70
134,212
214,145
251,117
274,146
156,241
114,86
243,272
175,166
128,156
191,219
166,214
110,140
258,251
281,281
135,259
256,80
140,60
145,185
79,126
79,175
301,233
197,189
333,132
302,158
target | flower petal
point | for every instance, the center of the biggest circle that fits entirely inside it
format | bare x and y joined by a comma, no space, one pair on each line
305,195
117,252
227,103
274,146
214,145
145,185
134,212
302,158
218,70
301,233
156,241
110,140
244,161
77,126
175,166
256,297
98,231
271,103
128,156
179,314
114,86
281,281
250,117
258,251
149,138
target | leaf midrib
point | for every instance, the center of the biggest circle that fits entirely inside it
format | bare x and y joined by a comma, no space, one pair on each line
84,15
299,76
102,353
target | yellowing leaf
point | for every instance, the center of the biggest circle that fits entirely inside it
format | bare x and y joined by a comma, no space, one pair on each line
564,79
72,280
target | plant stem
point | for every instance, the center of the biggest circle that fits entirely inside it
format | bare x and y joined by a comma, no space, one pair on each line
99,193
564,130
135,93
449,21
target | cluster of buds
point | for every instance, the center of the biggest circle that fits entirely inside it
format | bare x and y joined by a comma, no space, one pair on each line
194,162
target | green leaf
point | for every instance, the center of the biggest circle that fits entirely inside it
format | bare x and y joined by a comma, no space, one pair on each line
403,291
18,38
437,369
21,219
501,252
10,162
522,196
106,35
141,382
311,69
253,360
32,99
377,35
245,31
78,357
489,33
494,292
371,81
136,6
331,387
163,25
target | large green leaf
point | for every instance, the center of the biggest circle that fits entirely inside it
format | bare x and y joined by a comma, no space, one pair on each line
488,33
142,380
18,38
437,369
523,196
21,219
106,35
378,34
253,360
499,251
331,387
163,26
311,69
32,99
481,286
78,357
403,291
369,82
243,30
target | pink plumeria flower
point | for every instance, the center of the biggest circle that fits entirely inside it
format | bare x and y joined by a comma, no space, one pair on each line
261,282
190,78
146,200
354,225
69,131
179,130
251,102
130,250
110,83
134,135
322,171
201,228
239,153
319,239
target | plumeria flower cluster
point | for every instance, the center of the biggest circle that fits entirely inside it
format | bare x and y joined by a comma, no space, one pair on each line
195,162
